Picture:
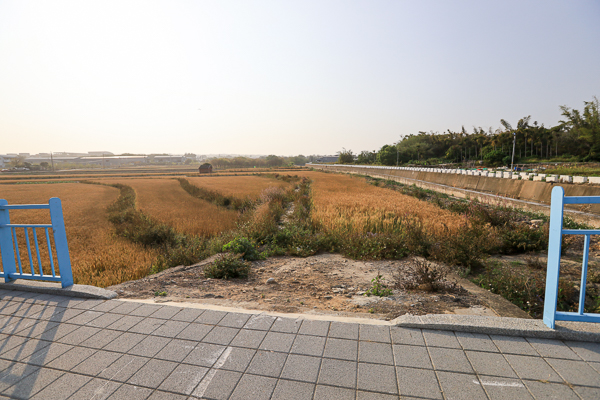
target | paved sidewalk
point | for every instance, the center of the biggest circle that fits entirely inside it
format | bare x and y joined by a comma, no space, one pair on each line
54,347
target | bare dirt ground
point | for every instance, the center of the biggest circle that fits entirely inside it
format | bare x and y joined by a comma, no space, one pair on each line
324,283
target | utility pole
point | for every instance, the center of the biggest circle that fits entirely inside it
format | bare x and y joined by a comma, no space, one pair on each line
513,153
52,161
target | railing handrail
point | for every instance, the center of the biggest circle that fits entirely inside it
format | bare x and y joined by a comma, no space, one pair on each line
551,315
9,245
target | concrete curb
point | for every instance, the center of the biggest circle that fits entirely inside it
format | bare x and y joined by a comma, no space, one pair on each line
81,291
534,328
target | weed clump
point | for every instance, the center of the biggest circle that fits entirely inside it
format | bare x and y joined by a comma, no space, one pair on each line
228,266
244,247
423,275
378,288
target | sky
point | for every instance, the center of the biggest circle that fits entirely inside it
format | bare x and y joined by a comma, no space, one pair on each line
284,77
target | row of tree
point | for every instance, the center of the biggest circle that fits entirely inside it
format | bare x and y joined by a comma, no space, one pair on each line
577,137
261,162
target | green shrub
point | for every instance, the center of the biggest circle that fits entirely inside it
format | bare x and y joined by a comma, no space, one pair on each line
244,247
227,266
378,288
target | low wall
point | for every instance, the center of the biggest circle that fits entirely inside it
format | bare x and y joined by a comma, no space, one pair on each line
523,190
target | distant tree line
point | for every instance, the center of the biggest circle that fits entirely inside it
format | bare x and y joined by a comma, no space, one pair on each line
575,138
261,162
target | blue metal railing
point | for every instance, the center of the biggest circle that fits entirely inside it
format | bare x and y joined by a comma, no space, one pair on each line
9,245
558,200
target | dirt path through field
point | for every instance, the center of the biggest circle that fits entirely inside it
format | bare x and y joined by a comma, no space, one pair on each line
324,283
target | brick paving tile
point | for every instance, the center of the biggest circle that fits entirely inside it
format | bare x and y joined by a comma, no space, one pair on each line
490,364
514,345
301,368
78,335
553,348
449,360
286,390
32,383
343,330
221,335
595,365
254,387
248,338
70,359
286,325
126,307
130,392
88,304
204,355
47,354
124,368
411,356
586,350
461,386
159,395
260,322
65,316
323,392
194,332
375,333
238,359
124,342
25,349
176,350
267,363
217,384
535,368
556,391
96,363
101,339
277,341
152,374
145,310
85,317
105,320
211,317
125,323
184,379
476,341
504,389
149,346
314,327
378,353
308,345
147,325
166,312
377,378
96,389
441,339
342,349
63,387
187,315
108,305
588,393
171,328
418,383
338,373
15,373
360,395
234,320
11,342
575,372
15,325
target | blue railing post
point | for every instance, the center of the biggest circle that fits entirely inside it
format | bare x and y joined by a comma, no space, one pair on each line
60,241
6,243
554,248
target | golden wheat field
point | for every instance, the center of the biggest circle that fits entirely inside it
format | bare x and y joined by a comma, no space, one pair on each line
343,202
238,186
97,256
164,200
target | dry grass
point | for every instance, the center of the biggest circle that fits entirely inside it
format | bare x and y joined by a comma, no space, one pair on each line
97,256
342,202
237,186
165,201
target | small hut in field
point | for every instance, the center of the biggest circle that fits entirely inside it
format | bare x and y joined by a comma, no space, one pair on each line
205,168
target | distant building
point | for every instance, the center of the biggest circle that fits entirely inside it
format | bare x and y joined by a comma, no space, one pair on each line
205,169
327,159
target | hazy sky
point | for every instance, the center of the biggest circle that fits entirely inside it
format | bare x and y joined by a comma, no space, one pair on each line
284,77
